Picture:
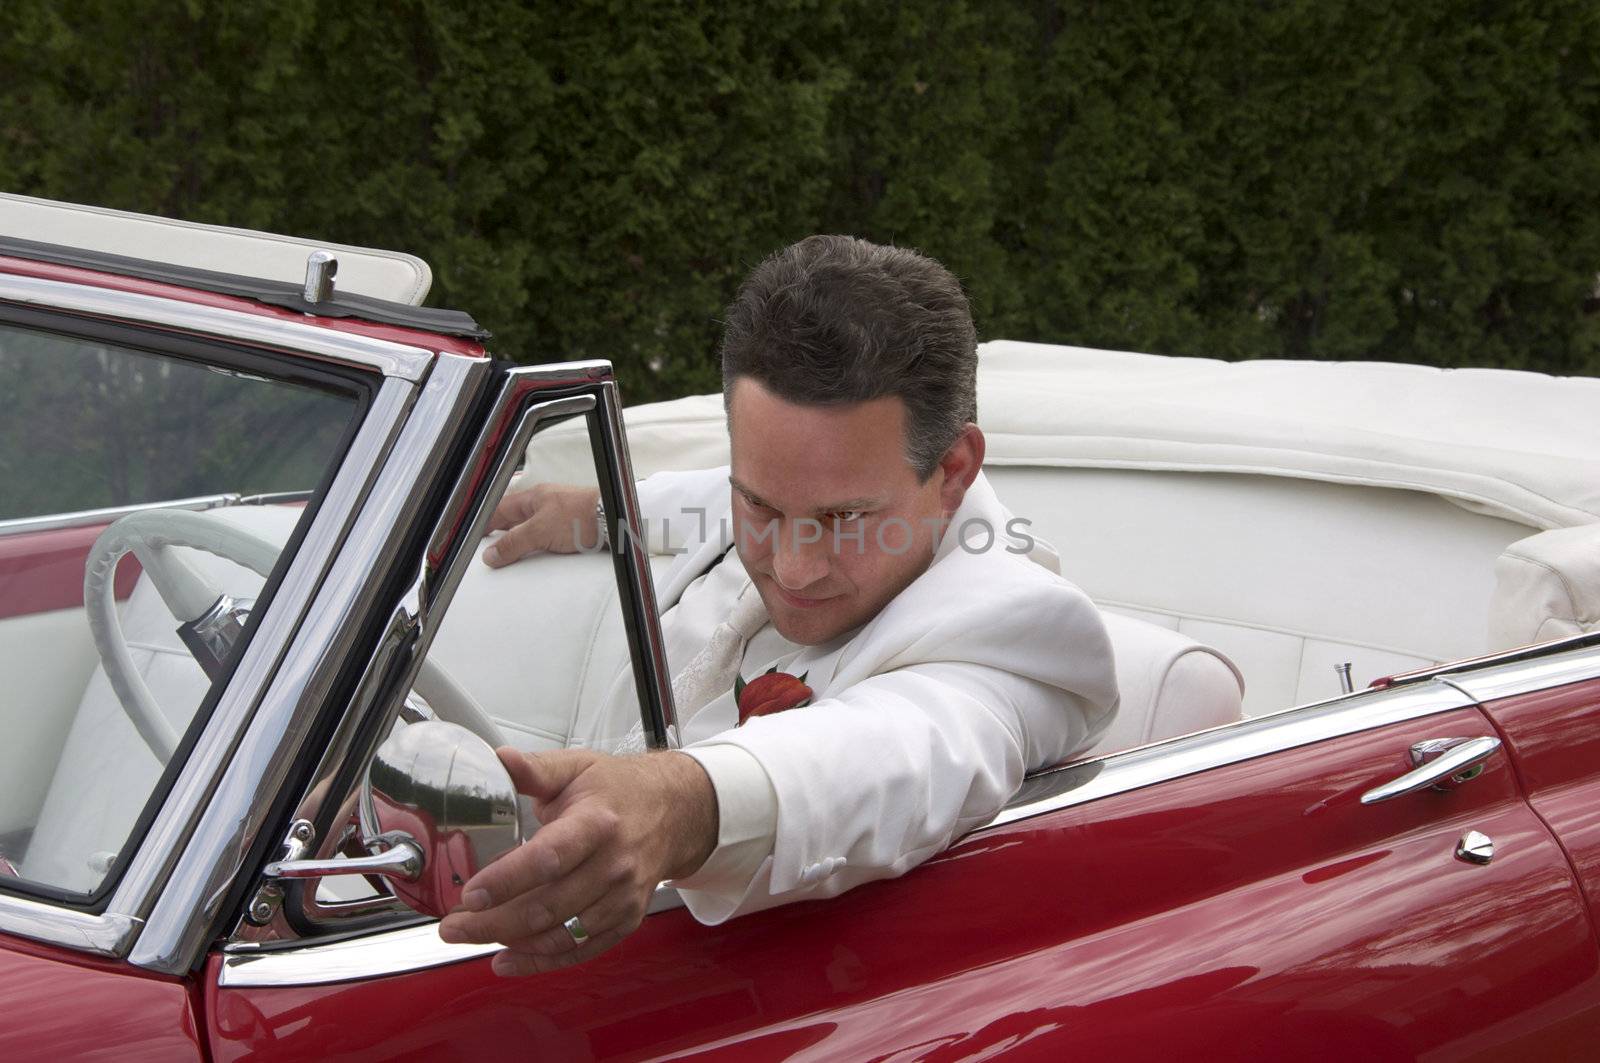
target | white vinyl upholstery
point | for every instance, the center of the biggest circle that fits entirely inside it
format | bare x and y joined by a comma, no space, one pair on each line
1547,586
1287,577
47,659
1170,685
106,773
540,643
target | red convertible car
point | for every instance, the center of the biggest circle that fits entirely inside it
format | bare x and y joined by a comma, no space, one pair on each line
1349,809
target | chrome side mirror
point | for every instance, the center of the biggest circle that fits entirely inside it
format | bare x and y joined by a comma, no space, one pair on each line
437,806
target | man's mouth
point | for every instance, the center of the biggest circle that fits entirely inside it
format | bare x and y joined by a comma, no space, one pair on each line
800,601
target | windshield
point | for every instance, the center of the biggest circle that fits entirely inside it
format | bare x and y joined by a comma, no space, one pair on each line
129,573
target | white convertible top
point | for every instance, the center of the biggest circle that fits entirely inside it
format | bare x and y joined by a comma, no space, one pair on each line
389,275
1522,446
1512,444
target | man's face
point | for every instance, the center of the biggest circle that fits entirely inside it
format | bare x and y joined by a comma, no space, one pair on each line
830,519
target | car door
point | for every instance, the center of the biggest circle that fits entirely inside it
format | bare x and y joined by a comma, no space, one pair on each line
1250,891
1135,907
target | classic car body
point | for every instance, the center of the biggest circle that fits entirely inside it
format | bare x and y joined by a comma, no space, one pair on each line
1226,873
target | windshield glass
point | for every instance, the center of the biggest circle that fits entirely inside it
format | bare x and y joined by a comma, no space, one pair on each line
129,571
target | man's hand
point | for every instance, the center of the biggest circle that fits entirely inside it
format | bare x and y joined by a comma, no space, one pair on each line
613,828
548,518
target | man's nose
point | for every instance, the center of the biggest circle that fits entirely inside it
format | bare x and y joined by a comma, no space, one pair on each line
800,556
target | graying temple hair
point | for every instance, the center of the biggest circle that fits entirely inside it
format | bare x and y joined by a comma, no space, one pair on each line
834,320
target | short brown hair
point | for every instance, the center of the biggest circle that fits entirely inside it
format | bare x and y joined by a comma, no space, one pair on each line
833,320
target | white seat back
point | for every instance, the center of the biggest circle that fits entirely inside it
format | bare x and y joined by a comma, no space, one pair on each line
540,643
1546,586
1169,684
106,771
1287,577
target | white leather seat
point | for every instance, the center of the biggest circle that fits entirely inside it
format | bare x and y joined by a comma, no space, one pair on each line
1287,577
540,643
1170,685
106,772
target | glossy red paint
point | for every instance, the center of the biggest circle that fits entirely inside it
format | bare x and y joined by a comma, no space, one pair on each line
61,1006
1256,911
43,571
1554,736
72,275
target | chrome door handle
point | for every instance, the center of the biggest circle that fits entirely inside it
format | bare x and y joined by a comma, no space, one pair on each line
1453,761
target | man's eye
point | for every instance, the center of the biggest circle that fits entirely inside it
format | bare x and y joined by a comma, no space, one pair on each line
846,516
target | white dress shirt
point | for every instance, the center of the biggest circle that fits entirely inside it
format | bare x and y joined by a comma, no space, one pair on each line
747,806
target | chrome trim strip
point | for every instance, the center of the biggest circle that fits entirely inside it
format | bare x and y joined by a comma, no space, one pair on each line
418,947
178,926
102,935
376,955
87,517
636,588
410,948
1090,780
1518,653
190,794
584,371
391,359
1525,675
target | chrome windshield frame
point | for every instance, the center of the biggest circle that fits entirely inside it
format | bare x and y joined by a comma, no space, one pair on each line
208,866
271,330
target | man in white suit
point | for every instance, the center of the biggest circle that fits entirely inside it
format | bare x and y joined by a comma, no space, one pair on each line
866,676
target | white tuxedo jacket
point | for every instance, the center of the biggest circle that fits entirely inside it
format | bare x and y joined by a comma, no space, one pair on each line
923,721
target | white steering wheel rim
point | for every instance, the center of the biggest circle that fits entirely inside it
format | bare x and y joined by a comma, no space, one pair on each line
176,527
154,528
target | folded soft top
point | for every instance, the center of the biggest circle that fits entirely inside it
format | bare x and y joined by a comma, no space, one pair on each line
1517,445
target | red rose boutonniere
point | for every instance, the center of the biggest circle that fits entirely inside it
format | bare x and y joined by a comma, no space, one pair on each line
771,692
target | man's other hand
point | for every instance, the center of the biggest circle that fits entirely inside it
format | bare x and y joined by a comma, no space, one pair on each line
614,827
544,518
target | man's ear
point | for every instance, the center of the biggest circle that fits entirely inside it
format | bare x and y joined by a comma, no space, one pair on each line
961,465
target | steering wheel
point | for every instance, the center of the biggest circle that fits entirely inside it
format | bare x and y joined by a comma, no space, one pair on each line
151,536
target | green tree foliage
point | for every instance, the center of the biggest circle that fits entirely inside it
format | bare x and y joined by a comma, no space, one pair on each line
1274,178
85,425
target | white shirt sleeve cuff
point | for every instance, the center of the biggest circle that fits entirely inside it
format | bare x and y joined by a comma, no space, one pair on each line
747,819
